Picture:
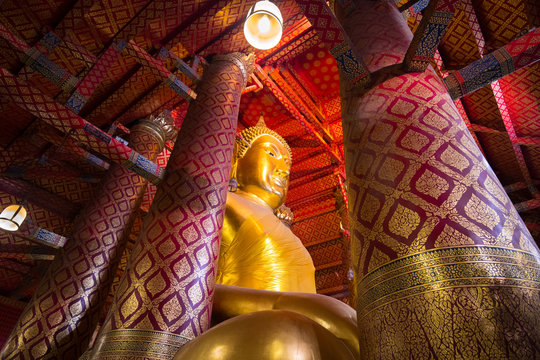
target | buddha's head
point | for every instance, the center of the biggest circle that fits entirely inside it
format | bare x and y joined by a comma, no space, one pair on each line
262,164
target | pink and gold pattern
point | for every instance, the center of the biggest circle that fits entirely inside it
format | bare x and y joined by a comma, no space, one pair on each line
83,131
66,307
165,298
424,209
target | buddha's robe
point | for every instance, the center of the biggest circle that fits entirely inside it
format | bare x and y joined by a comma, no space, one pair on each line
258,251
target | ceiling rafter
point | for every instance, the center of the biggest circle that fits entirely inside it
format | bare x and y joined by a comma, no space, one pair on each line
465,117
437,62
84,132
333,36
42,198
157,67
302,93
435,19
507,120
523,51
304,108
48,168
293,38
25,252
114,50
501,62
318,196
296,114
39,62
50,134
93,78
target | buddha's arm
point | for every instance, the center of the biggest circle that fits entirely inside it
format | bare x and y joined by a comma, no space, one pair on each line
337,317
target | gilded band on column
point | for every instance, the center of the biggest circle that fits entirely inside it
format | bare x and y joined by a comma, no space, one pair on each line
66,308
165,298
443,263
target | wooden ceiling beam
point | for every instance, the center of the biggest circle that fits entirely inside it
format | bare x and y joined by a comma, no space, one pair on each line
48,169
322,241
315,197
304,108
333,36
292,42
94,77
157,67
509,125
140,21
299,90
327,171
50,134
517,54
531,204
25,252
515,187
283,99
474,25
57,115
465,117
329,265
299,175
40,197
435,19
340,175
49,42
35,233
534,228
74,17
174,36
39,62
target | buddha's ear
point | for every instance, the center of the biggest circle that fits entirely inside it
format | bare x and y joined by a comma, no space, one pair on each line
233,184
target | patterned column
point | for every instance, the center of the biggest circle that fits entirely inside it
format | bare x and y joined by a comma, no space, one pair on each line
444,266
60,319
165,297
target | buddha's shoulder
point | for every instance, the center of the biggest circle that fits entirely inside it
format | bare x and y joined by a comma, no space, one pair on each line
242,207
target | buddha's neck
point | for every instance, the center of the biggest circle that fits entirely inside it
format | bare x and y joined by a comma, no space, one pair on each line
254,198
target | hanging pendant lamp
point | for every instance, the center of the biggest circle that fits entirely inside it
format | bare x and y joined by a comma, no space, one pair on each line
264,25
12,217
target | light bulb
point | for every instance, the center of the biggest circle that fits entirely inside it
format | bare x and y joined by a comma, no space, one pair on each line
264,25
12,217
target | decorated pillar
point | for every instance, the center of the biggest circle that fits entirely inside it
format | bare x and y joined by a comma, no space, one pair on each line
165,297
60,319
444,266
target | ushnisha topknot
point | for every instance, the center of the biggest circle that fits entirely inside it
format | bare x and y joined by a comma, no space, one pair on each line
250,134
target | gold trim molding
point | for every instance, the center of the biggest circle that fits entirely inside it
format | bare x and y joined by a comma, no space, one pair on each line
466,266
139,344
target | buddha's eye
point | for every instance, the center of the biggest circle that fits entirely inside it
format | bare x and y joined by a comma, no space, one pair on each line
271,153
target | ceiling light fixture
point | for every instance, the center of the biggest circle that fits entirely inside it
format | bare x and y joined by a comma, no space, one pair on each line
264,25
12,217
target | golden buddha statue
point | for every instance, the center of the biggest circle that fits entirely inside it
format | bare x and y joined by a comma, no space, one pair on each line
257,250
271,312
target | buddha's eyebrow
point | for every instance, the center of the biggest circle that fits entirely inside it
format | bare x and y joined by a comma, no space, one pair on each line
273,146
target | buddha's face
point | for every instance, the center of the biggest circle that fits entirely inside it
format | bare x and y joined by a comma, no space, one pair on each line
264,170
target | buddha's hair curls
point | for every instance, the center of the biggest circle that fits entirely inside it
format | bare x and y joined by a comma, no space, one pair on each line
250,134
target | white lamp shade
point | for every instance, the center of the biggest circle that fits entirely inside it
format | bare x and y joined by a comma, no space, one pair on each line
264,25
12,217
